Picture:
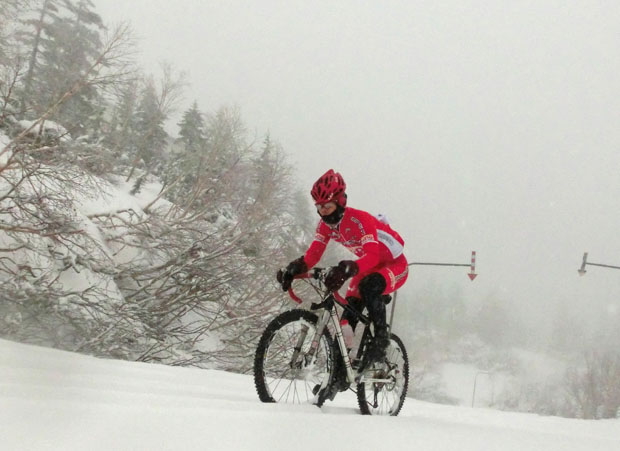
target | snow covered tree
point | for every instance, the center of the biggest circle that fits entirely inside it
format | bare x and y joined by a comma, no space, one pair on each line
212,248
11,71
188,279
79,36
155,104
593,385
9,10
226,139
32,38
49,260
45,245
271,234
187,164
150,127
121,135
64,41
213,177
287,221
192,130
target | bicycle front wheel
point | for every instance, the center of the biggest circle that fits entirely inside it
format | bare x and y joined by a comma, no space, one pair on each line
386,398
283,370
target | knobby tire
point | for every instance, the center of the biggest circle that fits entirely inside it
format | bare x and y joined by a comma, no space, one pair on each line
394,394
274,379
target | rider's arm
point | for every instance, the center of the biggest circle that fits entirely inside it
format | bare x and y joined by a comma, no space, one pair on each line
369,242
316,249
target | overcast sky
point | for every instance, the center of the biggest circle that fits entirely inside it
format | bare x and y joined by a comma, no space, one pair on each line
474,125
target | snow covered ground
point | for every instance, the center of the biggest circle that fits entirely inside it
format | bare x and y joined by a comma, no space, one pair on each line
52,399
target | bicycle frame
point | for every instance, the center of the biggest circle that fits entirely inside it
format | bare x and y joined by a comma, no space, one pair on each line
329,312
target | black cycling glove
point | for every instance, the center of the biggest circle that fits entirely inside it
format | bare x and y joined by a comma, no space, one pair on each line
286,275
337,275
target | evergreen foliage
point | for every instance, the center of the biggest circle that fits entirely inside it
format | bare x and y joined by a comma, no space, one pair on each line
149,125
63,39
192,130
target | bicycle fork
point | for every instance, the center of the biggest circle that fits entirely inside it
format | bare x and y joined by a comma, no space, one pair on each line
310,356
342,345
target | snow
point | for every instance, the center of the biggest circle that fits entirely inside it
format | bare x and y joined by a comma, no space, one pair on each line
459,380
47,128
112,198
58,400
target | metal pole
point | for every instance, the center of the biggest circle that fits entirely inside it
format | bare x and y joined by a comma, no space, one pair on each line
585,263
604,266
472,274
473,396
392,310
582,270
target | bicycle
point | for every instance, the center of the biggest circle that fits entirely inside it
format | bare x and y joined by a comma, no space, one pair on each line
296,355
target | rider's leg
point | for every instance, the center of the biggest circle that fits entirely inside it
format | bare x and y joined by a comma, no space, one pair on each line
356,304
371,288
384,279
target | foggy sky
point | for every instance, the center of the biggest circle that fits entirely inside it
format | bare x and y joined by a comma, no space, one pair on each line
474,125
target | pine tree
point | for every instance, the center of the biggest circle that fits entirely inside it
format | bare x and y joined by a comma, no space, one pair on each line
11,60
192,130
154,107
64,41
186,168
121,137
225,136
32,38
9,10
149,127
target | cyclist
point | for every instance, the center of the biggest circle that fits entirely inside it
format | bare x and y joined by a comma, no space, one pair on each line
380,268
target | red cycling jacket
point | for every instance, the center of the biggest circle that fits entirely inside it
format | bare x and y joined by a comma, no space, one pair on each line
371,240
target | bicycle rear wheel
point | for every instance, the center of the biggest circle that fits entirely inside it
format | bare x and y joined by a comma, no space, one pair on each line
282,372
376,398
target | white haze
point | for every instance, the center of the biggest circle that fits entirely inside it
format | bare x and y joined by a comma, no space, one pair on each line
474,125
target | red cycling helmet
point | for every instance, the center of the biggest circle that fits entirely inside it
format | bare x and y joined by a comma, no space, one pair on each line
330,187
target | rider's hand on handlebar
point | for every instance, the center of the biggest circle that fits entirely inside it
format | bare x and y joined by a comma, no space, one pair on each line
286,275
337,275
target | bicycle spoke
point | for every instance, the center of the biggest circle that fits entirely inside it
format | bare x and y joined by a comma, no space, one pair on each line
286,392
278,381
386,398
280,376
